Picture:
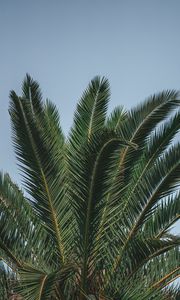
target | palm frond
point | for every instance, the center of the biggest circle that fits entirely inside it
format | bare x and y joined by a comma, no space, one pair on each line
118,115
89,179
43,284
141,122
164,216
91,111
19,225
37,139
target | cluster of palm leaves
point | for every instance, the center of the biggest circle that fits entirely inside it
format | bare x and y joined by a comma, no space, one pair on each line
95,220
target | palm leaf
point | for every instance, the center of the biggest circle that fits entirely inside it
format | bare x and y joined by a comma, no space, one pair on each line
41,284
91,111
117,117
88,183
37,149
19,225
165,215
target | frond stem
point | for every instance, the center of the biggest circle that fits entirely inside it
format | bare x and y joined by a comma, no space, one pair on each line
155,285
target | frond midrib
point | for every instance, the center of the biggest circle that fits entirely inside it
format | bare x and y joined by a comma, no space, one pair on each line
42,286
166,277
92,113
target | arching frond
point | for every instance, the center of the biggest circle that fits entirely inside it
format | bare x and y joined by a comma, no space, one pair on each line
37,139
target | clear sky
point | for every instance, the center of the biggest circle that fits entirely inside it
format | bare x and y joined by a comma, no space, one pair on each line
64,44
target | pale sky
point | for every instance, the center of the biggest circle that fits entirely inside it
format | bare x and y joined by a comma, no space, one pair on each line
64,43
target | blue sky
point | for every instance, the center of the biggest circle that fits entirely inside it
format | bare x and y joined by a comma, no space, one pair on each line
63,44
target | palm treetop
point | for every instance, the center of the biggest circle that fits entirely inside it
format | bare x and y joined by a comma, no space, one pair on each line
95,221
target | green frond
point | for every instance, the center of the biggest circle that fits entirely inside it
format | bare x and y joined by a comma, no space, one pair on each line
118,115
31,91
38,140
42,284
160,181
139,252
164,217
141,122
164,268
91,111
155,148
145,117
89,182
19,225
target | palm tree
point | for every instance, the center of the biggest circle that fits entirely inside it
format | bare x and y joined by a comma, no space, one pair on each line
95,220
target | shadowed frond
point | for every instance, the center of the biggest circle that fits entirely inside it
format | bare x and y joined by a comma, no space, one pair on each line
43,284
21,230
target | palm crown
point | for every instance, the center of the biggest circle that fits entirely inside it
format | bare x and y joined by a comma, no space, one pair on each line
94,222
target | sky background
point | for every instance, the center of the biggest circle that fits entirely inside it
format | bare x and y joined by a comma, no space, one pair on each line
63,44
